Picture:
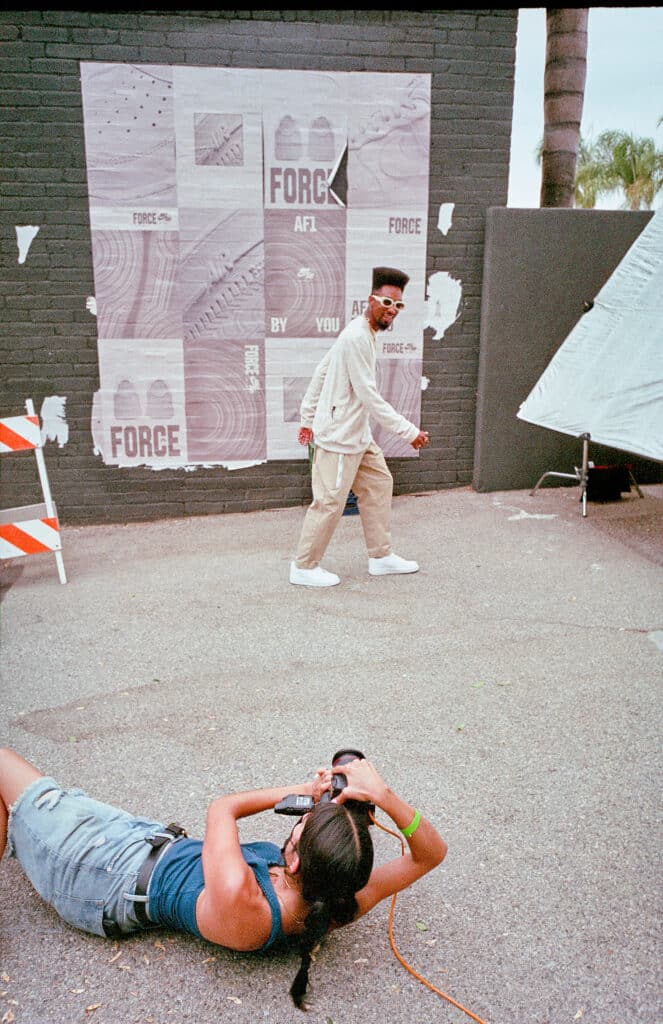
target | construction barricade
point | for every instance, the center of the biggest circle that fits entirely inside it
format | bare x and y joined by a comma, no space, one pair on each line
31,529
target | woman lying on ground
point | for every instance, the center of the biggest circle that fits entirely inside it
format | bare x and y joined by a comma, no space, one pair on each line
91,863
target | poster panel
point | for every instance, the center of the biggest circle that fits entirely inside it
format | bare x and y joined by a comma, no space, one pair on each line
140,407
129,135
290,363
374,239
237,213
388,141
304,273
305,131
218,126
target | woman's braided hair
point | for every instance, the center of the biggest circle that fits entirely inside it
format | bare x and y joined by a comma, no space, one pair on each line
336,858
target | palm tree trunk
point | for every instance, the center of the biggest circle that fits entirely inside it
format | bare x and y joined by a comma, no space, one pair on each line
564,93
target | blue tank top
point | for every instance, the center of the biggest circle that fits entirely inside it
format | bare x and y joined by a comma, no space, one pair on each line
177,881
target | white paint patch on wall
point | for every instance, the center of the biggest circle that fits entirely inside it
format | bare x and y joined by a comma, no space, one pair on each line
91,305
444,295
444,217
54,426
25,234
224,465
96,425
242,465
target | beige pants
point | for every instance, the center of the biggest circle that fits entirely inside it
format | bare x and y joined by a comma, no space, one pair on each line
333,476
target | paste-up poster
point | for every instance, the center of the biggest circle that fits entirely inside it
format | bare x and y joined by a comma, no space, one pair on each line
236,215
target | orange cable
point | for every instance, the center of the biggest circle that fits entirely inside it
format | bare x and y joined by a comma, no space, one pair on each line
398,956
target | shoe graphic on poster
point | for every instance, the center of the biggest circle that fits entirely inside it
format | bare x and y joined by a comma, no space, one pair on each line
321,140
288,140
159,404
126,403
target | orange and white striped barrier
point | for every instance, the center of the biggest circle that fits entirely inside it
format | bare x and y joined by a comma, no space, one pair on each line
32,529
19,433
28,536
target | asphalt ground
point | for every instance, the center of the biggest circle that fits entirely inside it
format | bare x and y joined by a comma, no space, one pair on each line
510,689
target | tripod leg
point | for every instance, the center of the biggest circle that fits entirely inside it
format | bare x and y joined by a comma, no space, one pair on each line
635,483
565,476
584,473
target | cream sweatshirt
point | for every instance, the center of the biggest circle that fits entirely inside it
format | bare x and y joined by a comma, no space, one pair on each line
343,395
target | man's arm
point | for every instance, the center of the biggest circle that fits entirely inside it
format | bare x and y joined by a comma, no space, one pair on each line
310,400
362,378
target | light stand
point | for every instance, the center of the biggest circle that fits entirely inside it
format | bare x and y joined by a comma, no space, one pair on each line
580,475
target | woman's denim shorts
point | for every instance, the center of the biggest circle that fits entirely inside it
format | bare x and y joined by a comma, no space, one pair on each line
82,856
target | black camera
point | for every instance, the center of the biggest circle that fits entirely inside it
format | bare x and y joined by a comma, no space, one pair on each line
299,804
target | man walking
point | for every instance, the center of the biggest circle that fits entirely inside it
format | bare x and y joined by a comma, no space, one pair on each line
335,413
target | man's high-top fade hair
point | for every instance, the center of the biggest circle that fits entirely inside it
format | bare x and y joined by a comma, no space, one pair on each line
388,275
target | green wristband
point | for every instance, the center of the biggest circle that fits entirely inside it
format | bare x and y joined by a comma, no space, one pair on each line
413,826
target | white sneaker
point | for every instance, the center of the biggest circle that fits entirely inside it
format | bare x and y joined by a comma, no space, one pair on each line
317,577
390,564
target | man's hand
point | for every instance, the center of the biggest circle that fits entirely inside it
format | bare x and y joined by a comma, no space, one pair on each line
421,440
305,435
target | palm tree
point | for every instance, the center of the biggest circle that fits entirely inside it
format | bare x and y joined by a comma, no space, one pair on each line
564,93
592,178
619,161
614,161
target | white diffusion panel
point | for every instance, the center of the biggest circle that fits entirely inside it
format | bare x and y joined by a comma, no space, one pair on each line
607,377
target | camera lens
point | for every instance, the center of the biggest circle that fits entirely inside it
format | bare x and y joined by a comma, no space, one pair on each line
339,781
346,755
340,758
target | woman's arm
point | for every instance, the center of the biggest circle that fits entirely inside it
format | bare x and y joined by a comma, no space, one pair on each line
244,804
231,909
222,857
426,847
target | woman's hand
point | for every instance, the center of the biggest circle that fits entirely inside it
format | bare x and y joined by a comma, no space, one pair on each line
364,783
321,783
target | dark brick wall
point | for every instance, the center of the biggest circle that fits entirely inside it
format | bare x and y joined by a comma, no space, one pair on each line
49,342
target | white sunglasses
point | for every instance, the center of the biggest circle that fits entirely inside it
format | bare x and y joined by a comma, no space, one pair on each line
385,301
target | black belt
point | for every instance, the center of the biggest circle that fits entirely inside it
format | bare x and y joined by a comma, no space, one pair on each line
169,835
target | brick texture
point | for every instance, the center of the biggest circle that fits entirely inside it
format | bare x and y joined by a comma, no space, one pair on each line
49,340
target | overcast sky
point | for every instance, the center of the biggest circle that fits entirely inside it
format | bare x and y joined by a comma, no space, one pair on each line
624,88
